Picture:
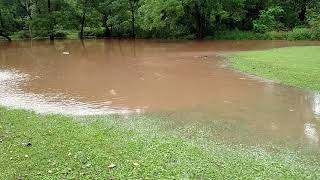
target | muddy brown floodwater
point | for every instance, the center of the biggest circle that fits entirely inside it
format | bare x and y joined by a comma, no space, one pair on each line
187,77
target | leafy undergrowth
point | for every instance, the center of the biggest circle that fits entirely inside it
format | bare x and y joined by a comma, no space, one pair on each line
57,147
293,66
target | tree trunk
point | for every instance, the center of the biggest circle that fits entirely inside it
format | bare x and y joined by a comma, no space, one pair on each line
51,35
199,22
107,32
37,7
133,29
82,24
133,25
26,8
303,11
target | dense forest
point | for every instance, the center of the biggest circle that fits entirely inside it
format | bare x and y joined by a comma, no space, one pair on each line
21,19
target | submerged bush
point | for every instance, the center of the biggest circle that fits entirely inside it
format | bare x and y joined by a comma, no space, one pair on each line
93,32
21,35
240,35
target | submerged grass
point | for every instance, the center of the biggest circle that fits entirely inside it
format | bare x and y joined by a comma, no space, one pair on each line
36,146
293,66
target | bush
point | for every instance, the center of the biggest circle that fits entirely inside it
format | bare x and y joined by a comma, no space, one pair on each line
276,35
239,35
61,34
315,29
300,34
93,32
267,20
21,35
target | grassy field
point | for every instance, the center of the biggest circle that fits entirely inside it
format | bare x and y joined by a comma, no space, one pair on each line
57,147
293,66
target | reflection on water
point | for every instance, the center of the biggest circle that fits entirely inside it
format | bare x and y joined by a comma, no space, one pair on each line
186,78
311,133
316,104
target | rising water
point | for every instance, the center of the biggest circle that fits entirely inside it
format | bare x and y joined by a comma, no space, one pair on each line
185,77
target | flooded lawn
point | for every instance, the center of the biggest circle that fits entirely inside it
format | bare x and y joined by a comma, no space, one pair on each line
187,78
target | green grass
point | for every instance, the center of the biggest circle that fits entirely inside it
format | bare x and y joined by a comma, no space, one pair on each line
83,148
293,66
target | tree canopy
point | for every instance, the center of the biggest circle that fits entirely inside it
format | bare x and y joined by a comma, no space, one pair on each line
152,18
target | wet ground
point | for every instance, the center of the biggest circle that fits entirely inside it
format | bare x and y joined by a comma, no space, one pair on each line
188,78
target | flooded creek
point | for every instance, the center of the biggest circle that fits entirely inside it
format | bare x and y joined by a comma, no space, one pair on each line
188,78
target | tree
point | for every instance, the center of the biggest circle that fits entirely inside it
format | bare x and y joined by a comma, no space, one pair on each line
105,8
133,4
50,21
7,19
167,18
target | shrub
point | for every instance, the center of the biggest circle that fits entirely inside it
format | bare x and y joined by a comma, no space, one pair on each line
239,35
300,34
276,35
93,32
315,29
21,35
267,20
61,34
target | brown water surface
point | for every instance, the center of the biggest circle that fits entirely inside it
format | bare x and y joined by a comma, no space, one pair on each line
186,77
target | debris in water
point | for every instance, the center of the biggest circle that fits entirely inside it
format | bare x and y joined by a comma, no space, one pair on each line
201,57
113,92
291,110
111,166
136,164
26,144
66,53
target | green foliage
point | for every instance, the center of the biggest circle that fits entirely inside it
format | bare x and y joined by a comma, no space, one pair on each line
159,18
21,35
300,34
94,32
314,22
268,20
163,20
240,35
276,35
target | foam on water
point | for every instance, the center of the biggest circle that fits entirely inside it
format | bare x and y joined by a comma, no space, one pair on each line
12,96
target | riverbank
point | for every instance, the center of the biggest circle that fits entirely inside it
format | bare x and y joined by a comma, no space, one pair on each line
52,146
92,33
293,66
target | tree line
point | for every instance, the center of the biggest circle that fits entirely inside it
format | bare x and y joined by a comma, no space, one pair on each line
152,18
